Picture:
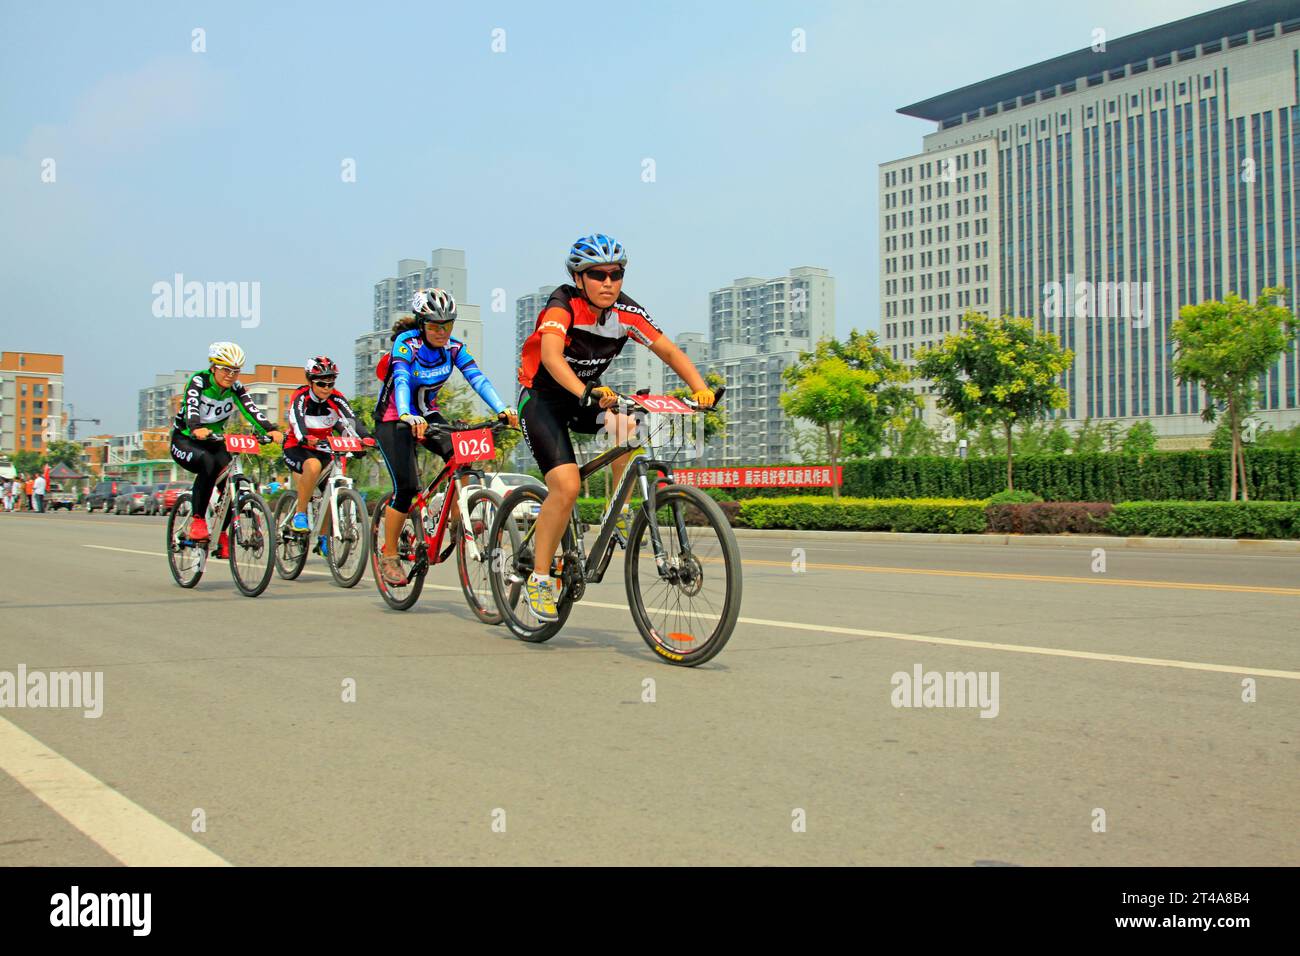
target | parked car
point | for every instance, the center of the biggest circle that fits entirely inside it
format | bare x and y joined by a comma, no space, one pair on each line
165,492
503,482
59,497
103,495
133,499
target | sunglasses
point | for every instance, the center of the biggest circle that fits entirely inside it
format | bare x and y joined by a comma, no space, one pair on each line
600,275
440,323
227,369
327,382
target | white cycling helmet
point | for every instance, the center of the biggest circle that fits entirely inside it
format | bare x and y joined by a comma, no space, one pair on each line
436,304
226,353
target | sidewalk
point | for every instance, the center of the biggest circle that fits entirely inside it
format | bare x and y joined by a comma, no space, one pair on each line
1218,545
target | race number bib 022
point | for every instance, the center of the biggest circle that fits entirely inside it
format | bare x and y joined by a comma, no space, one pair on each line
345,443
241,444
474,446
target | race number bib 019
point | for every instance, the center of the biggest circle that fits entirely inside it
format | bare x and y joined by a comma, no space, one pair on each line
345,443
663,404
474,446
241,444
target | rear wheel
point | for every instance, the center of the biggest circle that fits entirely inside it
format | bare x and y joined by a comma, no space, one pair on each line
252,545
291,546
476,568
348,543
185,558
510,554
687,610
409,545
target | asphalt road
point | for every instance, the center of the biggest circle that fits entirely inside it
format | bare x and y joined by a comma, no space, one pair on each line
1120,734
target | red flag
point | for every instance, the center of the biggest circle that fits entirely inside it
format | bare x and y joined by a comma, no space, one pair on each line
47,479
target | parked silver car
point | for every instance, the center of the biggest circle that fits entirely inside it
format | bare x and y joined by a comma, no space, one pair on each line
134,500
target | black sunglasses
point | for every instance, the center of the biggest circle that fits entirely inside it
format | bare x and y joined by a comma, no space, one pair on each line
600,275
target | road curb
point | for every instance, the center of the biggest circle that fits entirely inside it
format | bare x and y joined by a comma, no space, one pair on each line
1194,545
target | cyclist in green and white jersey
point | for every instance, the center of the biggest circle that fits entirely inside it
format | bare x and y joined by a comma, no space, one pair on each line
211,398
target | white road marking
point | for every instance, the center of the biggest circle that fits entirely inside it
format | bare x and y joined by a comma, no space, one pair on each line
125,830
949,641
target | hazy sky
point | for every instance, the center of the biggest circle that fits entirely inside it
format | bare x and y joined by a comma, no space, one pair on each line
226,165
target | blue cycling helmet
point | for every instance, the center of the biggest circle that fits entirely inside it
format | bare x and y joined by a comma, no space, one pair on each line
595,250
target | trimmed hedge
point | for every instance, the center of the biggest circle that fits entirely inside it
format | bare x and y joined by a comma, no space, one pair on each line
945,516
1206,519
1050,517
1159,476
1168,519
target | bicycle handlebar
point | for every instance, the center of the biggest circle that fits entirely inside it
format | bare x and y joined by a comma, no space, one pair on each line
630,400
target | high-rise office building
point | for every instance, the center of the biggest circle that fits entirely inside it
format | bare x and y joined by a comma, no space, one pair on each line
749,311
1101,191
759,327
160,401
446,270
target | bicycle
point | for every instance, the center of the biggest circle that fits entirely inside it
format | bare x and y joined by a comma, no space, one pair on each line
420,544
666,568
252,531
334,498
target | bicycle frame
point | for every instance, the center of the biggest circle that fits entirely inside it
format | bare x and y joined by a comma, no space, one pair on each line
234,480
432,543
333,477
596,561
431,551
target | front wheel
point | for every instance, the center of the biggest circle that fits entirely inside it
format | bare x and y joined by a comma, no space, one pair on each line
409,545
510,556
472,554
252,545
185,557
686,609
348,543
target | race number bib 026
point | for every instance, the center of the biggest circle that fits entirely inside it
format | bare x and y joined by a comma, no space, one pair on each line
474,446
345,443
241,444
663,404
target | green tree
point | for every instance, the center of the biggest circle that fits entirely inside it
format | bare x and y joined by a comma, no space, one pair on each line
28,462
913,439
1140,440
1225,347
810,446
1058,439
66,453
1111,437
840,385
715,419
997,370
1288,439
1089,440
1031,438
986,443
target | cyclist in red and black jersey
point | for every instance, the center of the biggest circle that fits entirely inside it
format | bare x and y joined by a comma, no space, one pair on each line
316,411
579,332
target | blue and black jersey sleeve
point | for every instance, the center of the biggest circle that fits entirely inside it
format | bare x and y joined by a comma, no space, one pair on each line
478,380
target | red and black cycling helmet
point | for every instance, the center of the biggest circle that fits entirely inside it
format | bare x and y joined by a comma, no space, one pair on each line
322,366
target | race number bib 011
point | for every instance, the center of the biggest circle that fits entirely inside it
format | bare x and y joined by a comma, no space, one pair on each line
474,446
241,444
663,404
345,443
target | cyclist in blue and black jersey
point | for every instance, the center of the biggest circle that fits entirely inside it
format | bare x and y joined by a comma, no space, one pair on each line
421,361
